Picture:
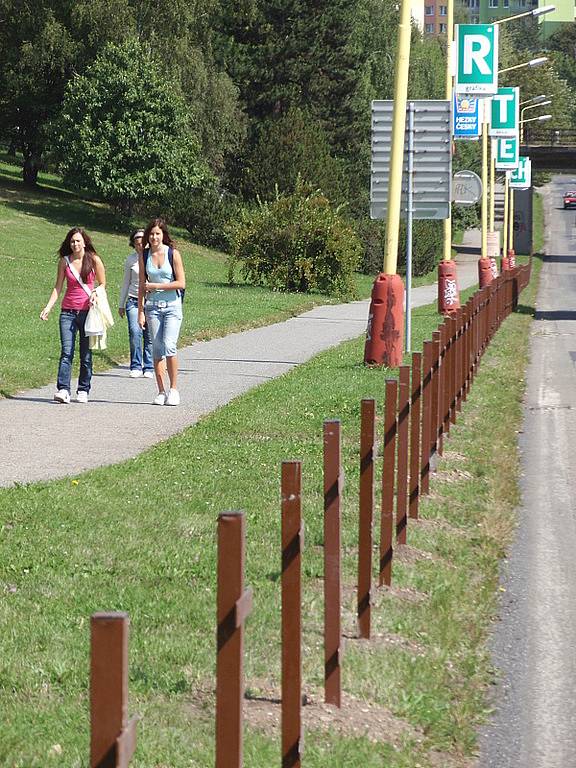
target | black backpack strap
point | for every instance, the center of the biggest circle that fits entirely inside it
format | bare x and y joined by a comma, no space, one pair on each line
145,257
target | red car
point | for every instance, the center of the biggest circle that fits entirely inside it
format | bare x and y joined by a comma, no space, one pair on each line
569,199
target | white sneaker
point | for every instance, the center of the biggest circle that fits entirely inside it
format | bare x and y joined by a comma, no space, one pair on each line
62,396
148,374
173,397
160,399
135,373
81,397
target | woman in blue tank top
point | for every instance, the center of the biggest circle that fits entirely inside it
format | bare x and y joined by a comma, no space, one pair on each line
160,306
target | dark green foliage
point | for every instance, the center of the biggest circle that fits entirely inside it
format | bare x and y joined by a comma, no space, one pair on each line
124,132
287,147
206,214
297,242
427,240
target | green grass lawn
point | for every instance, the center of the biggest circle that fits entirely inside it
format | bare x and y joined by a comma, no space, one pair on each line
32,226
140,537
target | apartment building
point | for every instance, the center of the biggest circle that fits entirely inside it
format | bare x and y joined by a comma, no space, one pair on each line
435,12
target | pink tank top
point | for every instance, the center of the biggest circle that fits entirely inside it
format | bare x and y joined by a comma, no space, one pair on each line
75,296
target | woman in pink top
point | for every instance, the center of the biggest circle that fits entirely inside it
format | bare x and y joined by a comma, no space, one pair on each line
82,268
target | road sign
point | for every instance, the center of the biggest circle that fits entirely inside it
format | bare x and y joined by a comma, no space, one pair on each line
476,58
467,188
504,118
432,160
521,177
466,116
506,153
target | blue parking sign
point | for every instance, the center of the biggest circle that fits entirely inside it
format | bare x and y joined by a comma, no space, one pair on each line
466,123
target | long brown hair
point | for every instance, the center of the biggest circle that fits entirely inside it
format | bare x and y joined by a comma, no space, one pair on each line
88,262
166,239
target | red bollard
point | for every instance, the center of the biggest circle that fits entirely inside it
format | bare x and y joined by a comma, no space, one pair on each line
385,332
493,267
512,258
448,291
485,276
504,264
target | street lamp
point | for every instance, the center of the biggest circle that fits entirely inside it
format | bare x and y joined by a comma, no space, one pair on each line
531,106
539,118
532,63
533,12
535,100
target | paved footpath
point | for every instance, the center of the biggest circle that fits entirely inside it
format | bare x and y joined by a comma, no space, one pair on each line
43,440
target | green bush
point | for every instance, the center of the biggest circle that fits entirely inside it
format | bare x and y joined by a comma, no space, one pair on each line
206,213
297,242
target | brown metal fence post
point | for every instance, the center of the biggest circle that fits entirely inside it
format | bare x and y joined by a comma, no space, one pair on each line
332,553
388,476
292,545
415,419
435,407
425,440
367,438
234,605
112,738
403,434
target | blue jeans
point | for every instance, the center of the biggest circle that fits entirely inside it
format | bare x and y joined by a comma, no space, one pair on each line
72,322
164,320
140,341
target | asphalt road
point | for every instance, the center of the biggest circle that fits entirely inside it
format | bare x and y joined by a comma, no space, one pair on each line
534,643
42,440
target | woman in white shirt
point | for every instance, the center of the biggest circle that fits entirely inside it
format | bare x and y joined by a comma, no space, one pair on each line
141,362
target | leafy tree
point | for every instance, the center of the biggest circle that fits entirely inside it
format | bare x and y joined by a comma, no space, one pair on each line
124,131
287,148
38,55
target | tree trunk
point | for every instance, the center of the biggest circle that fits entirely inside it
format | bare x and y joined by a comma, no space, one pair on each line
30,170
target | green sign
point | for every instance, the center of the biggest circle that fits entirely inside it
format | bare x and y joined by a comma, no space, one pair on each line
506,153
476,58
521,177
504,118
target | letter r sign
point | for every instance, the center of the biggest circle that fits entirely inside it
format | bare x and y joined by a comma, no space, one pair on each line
477,58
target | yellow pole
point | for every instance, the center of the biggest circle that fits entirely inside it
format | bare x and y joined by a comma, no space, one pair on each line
447,255
511,221
484,248
397,149
505,225
492,187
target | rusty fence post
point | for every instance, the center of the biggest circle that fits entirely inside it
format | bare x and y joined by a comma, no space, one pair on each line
367,444
233,606
415,420
388,478
435,402
425,440
332,552
292,546
403,447
112,738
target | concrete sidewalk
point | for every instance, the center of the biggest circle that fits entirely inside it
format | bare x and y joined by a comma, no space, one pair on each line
43,440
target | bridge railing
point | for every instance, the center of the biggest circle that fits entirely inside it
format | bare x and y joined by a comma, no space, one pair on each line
555,136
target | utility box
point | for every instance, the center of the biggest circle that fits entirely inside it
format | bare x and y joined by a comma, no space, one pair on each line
523,242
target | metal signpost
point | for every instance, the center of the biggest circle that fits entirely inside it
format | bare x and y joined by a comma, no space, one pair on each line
427,169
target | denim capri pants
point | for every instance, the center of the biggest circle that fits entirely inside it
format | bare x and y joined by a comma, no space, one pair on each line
164,319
